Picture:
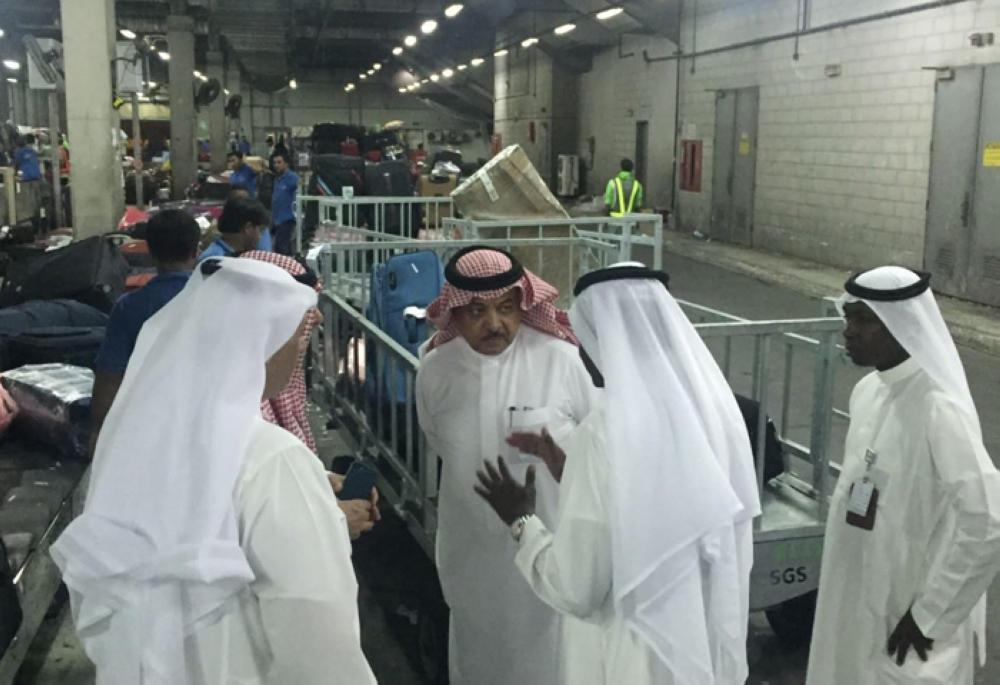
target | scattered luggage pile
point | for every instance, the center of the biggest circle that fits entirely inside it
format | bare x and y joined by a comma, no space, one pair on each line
55,302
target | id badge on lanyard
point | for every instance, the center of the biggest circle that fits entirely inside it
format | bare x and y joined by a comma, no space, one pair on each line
862,503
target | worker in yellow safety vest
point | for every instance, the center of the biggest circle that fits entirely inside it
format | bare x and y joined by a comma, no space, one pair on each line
624,193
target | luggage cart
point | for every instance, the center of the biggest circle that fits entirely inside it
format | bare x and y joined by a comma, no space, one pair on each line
793,360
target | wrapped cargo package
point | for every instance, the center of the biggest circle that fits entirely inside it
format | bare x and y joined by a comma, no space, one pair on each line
54,402
508,187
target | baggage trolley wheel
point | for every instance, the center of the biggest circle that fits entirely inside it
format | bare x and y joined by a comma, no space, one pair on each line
792,621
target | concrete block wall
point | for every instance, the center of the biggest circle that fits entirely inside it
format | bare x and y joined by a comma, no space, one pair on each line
619,91
843,163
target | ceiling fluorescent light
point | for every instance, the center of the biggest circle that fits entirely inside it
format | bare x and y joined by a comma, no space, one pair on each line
462,67
127,34
12,64
164,55
609,13
528,42
397,51
448,73
564,29
435,78
477,61
501,53
428,27
410,41
454,10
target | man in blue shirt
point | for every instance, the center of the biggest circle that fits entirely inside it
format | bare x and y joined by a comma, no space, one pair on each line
26,160
173,237
286,187
240,227
242,174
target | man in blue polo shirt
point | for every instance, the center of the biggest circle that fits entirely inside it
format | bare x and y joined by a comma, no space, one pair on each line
26,160
241,225
173,237
242,174
286,187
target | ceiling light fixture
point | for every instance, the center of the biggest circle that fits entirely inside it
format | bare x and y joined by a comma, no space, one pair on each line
528,42
478,61
363,76
197,74
410,41
1,33
397,51
164,55
127,34
417,85
424,82
501,53
11,79
462,67
454,10
402,89
435,78
370,72
293,84
151,84
564,29
609,13
226,91
12,64
447,73
377,66
428,27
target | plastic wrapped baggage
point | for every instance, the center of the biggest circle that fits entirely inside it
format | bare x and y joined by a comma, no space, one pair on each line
91,271
54,402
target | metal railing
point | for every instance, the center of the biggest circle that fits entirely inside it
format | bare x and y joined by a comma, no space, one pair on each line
400,216
629,231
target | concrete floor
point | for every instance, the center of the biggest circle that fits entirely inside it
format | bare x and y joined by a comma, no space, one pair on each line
57,658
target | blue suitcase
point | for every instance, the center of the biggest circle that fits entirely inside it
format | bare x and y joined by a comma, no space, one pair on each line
401,289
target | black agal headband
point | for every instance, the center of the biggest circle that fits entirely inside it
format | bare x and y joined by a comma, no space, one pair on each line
875,295
618,273
481,284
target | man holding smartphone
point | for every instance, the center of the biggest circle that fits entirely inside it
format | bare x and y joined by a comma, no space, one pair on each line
504,359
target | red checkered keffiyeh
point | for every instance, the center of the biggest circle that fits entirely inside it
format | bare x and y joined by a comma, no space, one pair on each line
288,409
537,296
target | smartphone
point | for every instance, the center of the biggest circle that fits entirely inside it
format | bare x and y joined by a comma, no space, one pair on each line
358,483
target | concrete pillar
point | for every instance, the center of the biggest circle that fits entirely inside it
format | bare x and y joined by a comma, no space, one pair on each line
96,179
183,157
217,133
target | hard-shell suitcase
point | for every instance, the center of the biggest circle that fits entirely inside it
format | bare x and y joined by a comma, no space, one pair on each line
136,253
91,271
401,291
76,346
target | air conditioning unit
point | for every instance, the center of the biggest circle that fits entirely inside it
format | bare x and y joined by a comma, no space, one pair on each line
569,176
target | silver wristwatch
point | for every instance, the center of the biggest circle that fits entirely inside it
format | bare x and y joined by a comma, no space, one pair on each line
517,528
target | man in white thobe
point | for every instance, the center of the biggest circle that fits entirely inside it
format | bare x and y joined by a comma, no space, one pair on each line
504,359
913,534
654,539
211,550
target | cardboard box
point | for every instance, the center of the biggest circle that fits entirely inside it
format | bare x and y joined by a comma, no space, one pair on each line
508,187
258,164
428,186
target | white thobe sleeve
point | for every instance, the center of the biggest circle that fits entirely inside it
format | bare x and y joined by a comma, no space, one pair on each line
972,556
570,570
297,543
425,417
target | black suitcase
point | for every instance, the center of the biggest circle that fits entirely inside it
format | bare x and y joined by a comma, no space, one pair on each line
56,345
339,171
91,271
20,319
389,179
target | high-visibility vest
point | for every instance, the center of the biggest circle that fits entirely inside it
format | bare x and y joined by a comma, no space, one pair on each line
621,207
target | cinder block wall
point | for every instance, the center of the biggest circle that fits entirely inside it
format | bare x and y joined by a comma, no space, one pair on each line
619,91
843,163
